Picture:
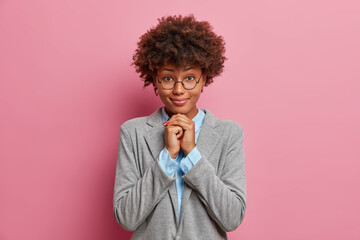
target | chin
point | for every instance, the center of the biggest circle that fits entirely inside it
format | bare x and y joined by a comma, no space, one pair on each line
176,109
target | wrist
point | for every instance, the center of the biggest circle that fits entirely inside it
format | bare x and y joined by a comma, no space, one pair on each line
172,154
187,151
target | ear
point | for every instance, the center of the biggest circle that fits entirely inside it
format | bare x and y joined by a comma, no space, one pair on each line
203,80
156,91
154,79
154,84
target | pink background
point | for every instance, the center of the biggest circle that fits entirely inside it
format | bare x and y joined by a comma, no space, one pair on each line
292,82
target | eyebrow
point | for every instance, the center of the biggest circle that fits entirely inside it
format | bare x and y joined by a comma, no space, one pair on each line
171,70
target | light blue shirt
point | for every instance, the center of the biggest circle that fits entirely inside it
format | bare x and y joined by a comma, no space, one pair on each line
182,164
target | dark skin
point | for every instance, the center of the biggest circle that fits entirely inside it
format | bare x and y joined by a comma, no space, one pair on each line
180,105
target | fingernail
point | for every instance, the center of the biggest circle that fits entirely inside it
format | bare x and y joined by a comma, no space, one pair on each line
164,123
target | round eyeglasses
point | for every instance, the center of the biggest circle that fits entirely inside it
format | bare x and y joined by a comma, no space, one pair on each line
188,83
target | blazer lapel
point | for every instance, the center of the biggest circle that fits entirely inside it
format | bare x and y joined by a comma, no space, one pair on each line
154,137
208,136
173,197
155,140
207,140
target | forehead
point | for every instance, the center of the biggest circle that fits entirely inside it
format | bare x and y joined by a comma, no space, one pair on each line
173,68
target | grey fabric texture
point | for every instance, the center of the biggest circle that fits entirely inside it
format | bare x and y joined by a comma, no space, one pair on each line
214,198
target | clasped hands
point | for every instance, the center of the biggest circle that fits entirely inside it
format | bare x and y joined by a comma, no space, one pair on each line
179,134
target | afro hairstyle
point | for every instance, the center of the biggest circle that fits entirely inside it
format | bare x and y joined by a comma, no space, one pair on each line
181,41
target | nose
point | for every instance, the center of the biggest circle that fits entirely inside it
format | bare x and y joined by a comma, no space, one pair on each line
178,88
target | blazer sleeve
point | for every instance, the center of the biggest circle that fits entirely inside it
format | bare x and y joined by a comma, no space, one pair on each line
224,196
136,196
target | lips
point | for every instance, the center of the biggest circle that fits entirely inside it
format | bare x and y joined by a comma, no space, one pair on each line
179,101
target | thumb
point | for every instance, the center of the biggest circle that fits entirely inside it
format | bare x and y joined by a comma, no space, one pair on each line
180,133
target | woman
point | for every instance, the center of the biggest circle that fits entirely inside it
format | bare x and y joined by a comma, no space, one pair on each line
180,171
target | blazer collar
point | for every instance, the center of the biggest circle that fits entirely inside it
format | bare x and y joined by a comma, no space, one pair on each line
207,140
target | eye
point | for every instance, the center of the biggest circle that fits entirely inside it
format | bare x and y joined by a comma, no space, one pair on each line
167,79
190,78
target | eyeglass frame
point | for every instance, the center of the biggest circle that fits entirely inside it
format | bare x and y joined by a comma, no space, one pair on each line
182,83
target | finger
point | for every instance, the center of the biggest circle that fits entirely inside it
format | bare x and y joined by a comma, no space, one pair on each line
186,125
177,130
180,134
180,116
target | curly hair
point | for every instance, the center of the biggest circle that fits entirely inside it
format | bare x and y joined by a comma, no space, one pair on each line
179,40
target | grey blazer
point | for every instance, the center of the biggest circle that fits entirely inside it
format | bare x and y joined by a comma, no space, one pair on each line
214,198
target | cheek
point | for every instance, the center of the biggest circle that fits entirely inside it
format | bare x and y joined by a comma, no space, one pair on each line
196,93
163,97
